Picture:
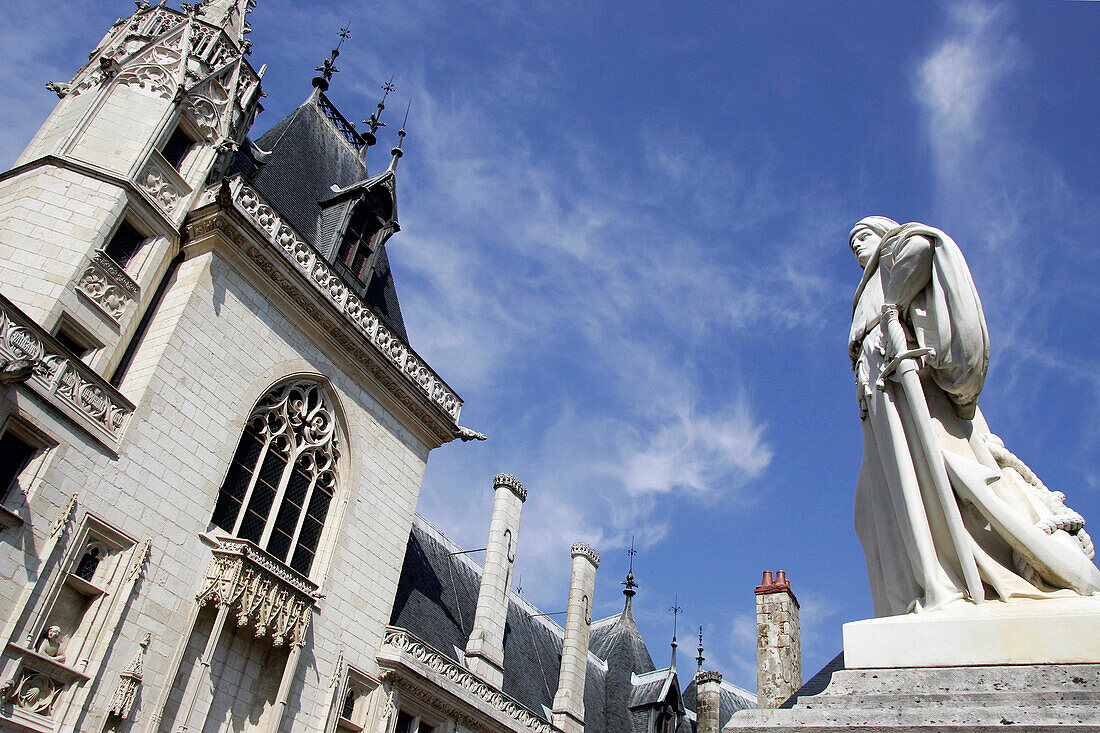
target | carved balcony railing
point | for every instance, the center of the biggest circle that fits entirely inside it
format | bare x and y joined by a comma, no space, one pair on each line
107,285
399,646
61,378
324,279
262,593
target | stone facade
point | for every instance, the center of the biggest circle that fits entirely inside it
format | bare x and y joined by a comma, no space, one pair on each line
778,643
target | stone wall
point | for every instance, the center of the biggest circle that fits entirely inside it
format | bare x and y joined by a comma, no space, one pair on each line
778,644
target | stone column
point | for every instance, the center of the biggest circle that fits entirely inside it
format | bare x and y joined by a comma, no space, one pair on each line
485,649
708,701
778,641
569,699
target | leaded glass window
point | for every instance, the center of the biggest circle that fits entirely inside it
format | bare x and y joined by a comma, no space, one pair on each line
283,474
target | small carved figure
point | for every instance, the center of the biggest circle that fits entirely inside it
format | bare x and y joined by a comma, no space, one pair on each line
50,645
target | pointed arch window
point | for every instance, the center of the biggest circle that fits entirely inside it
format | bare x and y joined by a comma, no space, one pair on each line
355,244
283,475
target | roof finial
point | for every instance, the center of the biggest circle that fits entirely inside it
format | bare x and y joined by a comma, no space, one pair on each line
328,66
676,611
700,659
396,151
629,582
375,120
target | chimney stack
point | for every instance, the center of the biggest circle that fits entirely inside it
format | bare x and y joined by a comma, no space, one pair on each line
778,641
568,711
485,649
708,701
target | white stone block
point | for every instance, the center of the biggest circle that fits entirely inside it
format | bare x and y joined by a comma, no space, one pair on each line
1048,631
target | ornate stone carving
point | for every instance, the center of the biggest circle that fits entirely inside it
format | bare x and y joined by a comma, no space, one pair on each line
581,548
129,682
107,286
511,482
67,383
52,645
163,184
325,280
401,642
267,596
36,693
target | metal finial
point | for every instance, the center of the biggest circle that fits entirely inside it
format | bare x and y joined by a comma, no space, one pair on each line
630,583
375,120
700,659
328,66
676,611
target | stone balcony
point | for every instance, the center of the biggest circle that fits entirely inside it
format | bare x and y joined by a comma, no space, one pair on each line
263,594
62,379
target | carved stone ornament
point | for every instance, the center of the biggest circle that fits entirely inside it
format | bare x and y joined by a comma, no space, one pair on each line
265,595
703,677
66,382
333,288
107,285
402,644
583,549
129,682
36,693
507,480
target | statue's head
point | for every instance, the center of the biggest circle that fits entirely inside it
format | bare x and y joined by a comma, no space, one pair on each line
53,633
866,235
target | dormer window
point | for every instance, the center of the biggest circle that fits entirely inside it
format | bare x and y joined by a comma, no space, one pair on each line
355,246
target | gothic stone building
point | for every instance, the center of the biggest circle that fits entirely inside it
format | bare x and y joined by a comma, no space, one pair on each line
213,432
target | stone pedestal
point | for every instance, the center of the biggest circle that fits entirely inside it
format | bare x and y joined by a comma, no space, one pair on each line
1036,698
1048,631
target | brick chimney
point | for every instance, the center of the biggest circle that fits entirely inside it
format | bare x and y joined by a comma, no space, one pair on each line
568,710
485,649
778,641
708,701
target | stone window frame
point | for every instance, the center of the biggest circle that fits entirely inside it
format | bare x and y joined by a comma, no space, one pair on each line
359,686
68,330
27,477
183,122
334,511
133,217
420,713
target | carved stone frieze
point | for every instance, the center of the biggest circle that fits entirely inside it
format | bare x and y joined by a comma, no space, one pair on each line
35,692
66,382
129,682
265,595
399,643
163,184
107,285
333,288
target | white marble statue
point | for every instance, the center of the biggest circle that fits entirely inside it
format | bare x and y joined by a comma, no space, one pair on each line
943,510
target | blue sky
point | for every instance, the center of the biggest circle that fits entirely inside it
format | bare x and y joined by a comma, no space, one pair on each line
625,245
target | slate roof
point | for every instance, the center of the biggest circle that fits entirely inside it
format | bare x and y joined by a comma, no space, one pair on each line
436,599
298,162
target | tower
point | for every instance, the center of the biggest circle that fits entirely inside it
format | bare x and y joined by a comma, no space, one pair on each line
95,202
213,427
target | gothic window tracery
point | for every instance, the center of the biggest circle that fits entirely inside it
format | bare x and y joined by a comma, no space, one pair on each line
283,476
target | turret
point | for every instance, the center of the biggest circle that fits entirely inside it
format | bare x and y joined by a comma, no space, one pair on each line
97,198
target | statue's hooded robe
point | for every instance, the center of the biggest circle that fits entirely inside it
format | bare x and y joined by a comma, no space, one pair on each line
912,561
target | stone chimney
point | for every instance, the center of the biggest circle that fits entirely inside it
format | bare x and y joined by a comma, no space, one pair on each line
708,701
568,711
485,649
778,641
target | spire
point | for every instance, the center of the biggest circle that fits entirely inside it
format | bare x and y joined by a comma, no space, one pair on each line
375,120
396,152
328,66
676,611
630,583
700,659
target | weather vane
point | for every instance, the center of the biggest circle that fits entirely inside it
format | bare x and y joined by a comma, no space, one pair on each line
328,66
676,611
630,582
